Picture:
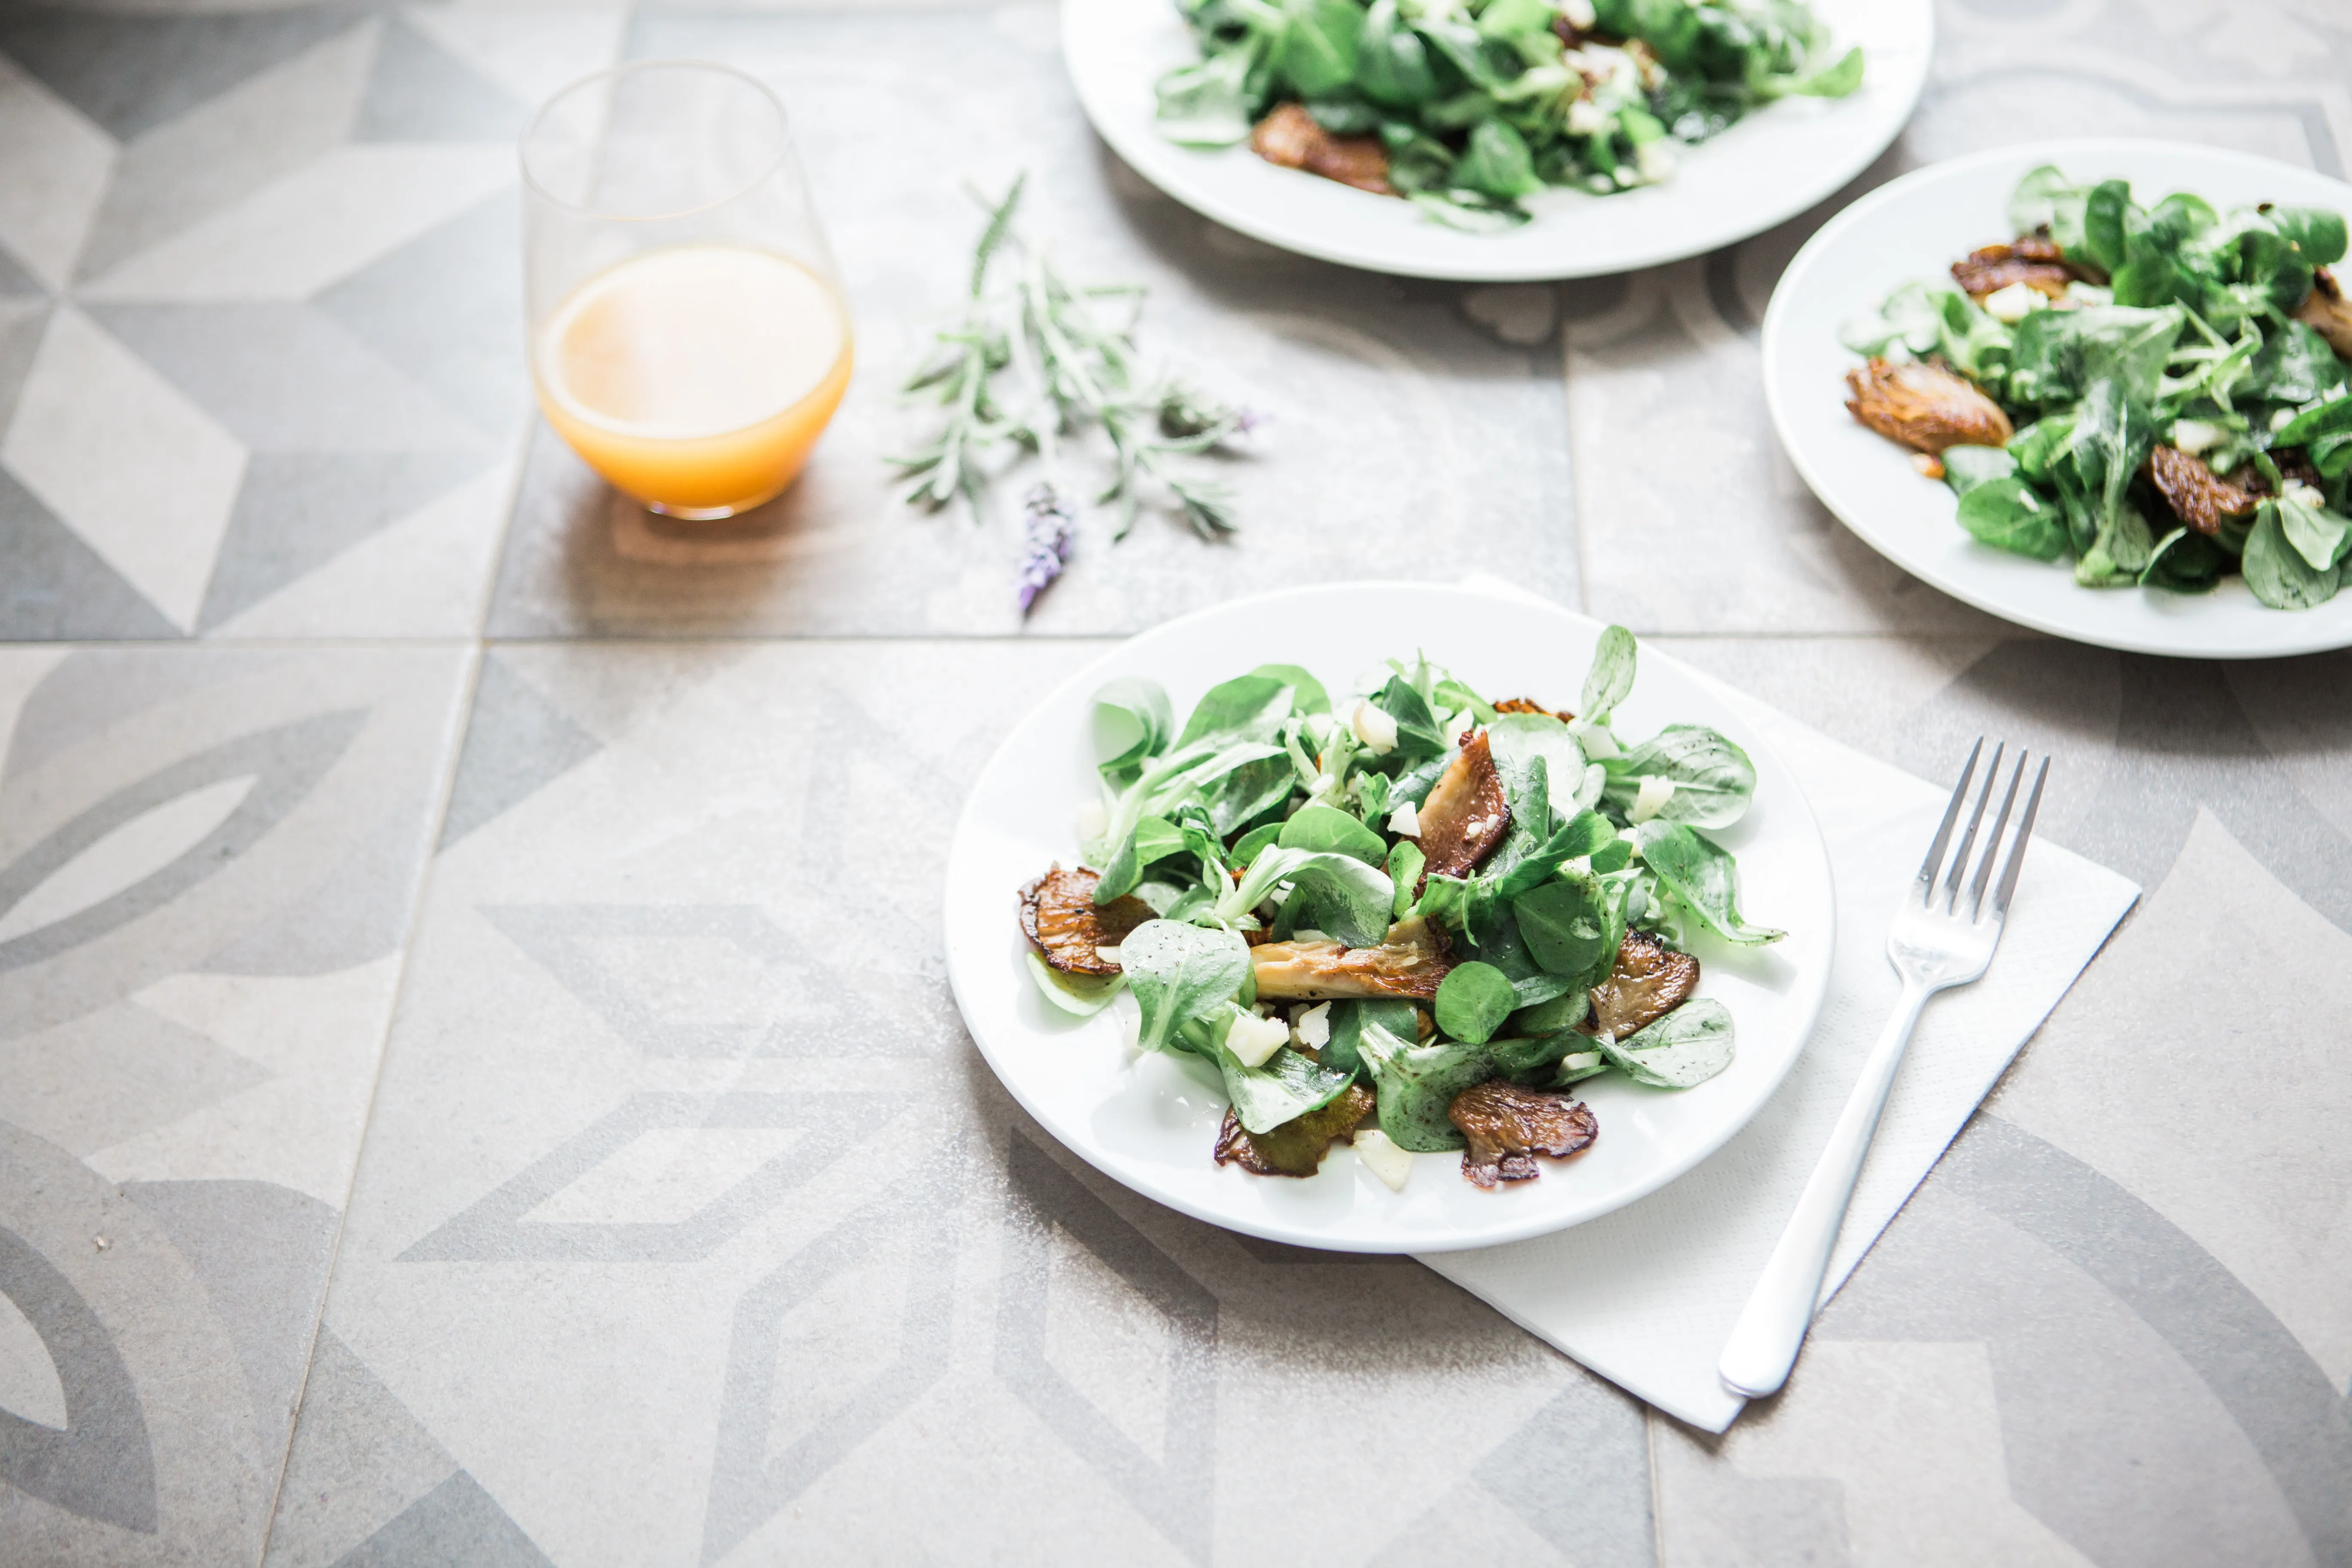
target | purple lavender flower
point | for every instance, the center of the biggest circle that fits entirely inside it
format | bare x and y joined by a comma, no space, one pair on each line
1046,536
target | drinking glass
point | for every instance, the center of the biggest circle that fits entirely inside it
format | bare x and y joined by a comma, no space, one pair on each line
688,337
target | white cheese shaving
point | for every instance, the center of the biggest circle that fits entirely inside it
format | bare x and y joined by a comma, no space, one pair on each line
1597,741
1308,934
1461,724
1108,955
2281,419
2014,303
1580,15
1091,821
1253,1040
2303,494
1312,1026
1656,162
1655,793
2194,436
1383,1159
1585,119
1405,821
1374,728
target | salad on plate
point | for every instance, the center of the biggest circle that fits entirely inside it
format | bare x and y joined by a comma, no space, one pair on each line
1469,107
1411,920
2160,394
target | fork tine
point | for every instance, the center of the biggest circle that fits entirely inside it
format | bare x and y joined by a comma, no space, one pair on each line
1951,814
2017,851
1992,845
1969,838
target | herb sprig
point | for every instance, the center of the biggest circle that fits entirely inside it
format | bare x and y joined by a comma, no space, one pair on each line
1074,368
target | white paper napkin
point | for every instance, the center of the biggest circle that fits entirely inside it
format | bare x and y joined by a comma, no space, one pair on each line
1647,1296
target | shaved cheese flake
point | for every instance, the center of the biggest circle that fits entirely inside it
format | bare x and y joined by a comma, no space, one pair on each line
1383,1159
1312,1026
1655,793
1253,1039
1374,728
1405,821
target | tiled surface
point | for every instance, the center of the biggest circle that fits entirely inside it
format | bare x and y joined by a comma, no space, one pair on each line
531,929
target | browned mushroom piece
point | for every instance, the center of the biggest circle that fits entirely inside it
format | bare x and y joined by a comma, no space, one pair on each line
2197,495
2326,311
1297,1147
1410,961
1648,981
1070,930
2034,261
1508,1126
1926,406
1465,814
1529,705
1291,138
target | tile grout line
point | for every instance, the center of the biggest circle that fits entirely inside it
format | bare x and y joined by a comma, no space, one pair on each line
461,711
1576,486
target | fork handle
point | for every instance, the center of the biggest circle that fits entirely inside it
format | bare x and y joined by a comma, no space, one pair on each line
1764,1342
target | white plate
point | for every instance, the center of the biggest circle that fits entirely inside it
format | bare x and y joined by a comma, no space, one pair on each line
1146,1122
1915,228
1769,167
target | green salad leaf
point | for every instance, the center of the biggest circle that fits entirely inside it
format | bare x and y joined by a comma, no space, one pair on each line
1704,876
1414,1086
1681,1050
1181,973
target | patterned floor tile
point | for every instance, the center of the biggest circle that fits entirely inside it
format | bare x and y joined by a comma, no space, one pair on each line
634,1117
1406,435
207,862
290,238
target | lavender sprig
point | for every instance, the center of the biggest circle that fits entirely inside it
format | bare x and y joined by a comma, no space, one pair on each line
1047,531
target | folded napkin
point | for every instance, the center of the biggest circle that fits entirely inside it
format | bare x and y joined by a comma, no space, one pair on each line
1647,1296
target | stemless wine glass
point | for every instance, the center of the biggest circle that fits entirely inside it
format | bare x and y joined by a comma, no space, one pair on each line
687,334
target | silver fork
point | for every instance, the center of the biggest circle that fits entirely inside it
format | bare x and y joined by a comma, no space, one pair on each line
1935,943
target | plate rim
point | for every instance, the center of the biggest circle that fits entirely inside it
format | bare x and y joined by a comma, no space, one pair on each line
1773,354
1811,995
1814,188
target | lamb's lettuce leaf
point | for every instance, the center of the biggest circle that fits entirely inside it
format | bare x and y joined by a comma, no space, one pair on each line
1714,780
1415,1085
1704,878
1183,974
1685,1047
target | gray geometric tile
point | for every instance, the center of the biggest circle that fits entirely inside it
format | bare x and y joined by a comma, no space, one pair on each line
286,764
262,1252
22,319
517,742
418,92
595,950
446,310
285,378
101,1466
496,1228
750,1480
57,588
358,1460
1174,1488
357,912
133,73
455,1525
130,1071
298,511
2297,1420
16,283
228,148
1579,1474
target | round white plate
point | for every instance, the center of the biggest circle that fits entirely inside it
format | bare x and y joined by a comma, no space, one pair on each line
1915,228
1148,1122
1769,167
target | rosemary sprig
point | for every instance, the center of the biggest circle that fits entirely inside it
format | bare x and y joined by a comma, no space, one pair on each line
1077,368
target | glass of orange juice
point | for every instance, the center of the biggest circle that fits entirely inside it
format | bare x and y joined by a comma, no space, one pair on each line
687,334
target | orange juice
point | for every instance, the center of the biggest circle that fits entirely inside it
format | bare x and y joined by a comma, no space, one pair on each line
696,378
